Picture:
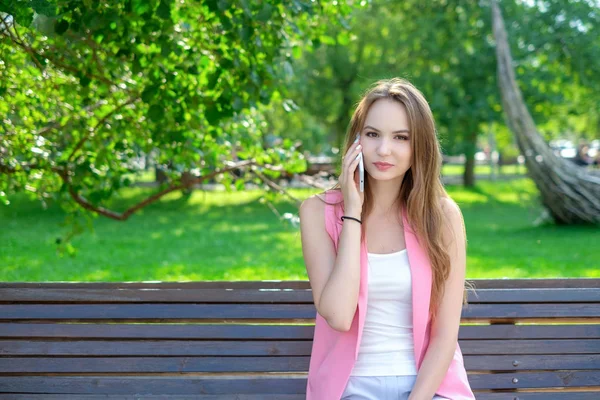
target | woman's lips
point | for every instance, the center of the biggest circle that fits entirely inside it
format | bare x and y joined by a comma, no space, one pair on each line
383,166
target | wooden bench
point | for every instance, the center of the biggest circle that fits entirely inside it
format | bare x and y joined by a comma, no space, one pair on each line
252,340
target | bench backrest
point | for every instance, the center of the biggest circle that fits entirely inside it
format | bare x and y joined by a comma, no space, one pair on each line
521,339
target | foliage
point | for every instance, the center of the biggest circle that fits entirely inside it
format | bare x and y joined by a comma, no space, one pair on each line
88,89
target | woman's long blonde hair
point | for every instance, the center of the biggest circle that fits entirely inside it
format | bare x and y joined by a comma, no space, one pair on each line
422,187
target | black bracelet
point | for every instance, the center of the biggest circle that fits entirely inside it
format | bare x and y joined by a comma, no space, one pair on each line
355,219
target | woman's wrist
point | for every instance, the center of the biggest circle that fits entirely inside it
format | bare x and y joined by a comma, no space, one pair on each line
353,213
345,217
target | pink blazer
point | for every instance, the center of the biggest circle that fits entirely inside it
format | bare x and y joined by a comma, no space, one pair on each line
334,353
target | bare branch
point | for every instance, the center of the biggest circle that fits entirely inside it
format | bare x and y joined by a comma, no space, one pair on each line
275,186
312,182
151,199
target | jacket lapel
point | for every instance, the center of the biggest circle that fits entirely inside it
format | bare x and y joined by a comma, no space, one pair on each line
421,278
363,292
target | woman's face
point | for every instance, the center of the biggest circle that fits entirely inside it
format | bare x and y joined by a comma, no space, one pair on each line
385,139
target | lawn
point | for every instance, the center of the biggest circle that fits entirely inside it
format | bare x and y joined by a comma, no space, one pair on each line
232,236
484,169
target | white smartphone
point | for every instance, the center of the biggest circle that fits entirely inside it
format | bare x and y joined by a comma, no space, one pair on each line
361,169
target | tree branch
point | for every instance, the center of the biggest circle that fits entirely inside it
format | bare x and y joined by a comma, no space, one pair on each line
18,42
151,199
5,169
312,182
100,123
275,186
55,124
57,63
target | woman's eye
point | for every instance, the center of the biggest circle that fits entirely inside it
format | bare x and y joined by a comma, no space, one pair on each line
374,134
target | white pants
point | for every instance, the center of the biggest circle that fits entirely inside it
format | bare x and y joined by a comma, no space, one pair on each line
381,388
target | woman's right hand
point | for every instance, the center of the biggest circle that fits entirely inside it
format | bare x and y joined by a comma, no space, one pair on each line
349,182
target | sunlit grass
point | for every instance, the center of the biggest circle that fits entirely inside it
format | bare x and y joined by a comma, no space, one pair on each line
231,236
453,169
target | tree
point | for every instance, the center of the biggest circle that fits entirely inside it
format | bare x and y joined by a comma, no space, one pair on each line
571,194
446,48
87,88
437,45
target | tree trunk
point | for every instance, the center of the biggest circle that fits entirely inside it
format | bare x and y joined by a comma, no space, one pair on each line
471,149
341,122
569,192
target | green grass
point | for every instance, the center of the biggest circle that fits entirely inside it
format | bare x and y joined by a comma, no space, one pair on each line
453,169
231,236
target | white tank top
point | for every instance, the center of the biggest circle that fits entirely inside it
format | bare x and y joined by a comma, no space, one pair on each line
386,346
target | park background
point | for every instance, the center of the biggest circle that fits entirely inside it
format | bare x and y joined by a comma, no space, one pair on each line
174,141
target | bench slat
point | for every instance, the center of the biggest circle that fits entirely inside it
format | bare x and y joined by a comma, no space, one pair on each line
265,348
266,311
532,362
41,295
508,331
518,347
300,284
71,365
158,331
203,285
265,364
532,296
155,311
521,312
77,295
554,379
535,283
156,348
151,385
291,332
563,395
249,385
156,397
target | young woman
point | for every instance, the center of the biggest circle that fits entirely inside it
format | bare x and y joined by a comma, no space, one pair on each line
387,265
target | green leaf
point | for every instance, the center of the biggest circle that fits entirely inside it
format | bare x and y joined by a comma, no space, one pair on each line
84,80
21,14
149,93
297,52
343,38
164,9
61,26
156,113
239,184
327,40
264,15
43,7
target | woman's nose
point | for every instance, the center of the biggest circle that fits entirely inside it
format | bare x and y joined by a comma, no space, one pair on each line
383,148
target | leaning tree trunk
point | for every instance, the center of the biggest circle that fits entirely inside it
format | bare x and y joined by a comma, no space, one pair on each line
570,193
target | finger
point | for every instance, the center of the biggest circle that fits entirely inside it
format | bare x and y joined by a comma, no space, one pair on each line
353,147
348,169
352,165
352,153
